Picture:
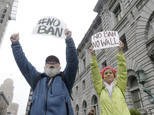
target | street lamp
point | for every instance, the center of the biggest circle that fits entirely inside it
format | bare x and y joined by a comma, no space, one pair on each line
141,76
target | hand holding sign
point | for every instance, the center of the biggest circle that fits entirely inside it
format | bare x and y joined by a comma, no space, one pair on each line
68,33
121,46
92,51
50,26
105,39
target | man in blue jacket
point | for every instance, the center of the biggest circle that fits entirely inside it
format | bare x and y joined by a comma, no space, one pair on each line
50,96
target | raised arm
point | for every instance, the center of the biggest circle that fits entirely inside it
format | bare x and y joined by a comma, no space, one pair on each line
71,60
122,69
26,68
96,76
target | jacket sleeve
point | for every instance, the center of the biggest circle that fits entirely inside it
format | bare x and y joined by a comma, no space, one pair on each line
122,72
71,63
26,68
96,76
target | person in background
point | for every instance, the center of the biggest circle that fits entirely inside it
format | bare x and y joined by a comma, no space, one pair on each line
50,94
109,87
92,112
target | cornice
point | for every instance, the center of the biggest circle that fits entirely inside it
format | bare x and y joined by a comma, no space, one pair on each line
96,22
99,5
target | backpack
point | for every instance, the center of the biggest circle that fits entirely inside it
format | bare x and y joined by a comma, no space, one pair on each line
39,78
61,74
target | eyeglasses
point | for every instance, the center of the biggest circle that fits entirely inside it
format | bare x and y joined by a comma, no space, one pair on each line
51,63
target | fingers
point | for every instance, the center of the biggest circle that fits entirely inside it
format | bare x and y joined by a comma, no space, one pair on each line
14,37
121,46
91,49
68,33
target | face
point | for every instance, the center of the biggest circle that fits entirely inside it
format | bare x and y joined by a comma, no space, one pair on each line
108,76
52,68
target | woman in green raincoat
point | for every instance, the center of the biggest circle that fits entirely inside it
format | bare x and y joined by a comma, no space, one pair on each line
109,87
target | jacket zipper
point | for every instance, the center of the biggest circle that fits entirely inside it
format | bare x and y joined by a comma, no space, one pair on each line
46,102
47,95
108,93
67,109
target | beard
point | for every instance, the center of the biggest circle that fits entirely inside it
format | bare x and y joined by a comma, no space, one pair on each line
52,72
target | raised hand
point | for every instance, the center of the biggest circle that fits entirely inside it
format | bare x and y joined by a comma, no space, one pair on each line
14,37
91,49
121,46
68,33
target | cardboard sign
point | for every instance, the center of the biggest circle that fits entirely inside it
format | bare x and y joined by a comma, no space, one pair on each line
50,26
105,39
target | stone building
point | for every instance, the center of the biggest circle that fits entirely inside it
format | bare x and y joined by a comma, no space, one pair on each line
3,104
12,109
8,10
8,88
134,22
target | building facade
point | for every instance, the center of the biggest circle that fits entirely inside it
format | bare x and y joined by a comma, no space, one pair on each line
8,10
3,104
7,88
12,109
134,22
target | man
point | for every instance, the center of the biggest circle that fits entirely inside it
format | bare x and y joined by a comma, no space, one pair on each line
50,96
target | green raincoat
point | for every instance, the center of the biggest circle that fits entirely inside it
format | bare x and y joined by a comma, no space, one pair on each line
114,103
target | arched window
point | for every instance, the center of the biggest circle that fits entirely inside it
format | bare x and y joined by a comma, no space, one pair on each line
83,85
84,108
116,12
135,92
151,28
77,110
150,42
95,104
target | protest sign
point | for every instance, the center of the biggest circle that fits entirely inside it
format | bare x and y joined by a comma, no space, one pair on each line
50,26
105,39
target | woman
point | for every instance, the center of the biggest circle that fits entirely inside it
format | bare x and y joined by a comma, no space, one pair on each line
109,88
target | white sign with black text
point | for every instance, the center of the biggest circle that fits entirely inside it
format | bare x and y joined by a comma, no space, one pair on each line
105,39
50,26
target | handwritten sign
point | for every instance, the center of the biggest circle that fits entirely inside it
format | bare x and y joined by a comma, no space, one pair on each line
50,26
105,39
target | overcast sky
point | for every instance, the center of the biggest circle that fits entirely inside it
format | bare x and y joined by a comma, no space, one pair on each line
76,14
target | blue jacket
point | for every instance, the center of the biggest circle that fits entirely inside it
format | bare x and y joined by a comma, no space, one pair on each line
53,99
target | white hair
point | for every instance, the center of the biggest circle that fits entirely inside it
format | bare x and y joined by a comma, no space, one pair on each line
52,72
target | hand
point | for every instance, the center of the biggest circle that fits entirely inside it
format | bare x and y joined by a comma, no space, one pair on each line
14,37
68,33
92,51
121,46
